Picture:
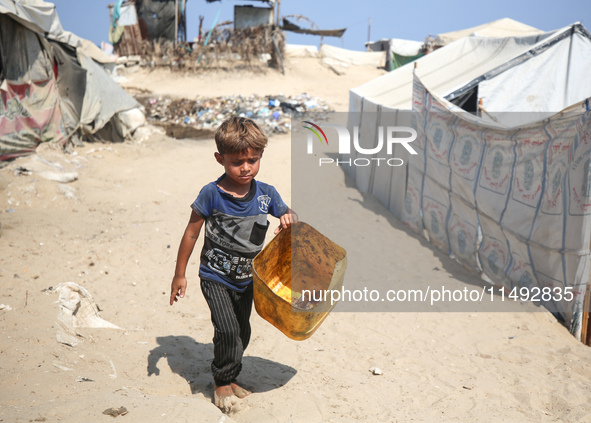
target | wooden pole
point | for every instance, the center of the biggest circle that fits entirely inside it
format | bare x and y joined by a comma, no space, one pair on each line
176,21
200,36
585,319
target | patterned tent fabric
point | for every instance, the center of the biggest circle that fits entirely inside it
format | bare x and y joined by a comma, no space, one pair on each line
509,203
29,101
512,203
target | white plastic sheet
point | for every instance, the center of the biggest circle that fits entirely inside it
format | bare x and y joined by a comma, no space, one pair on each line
77,310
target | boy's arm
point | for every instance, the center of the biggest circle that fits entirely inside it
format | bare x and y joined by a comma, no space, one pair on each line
286,220
179,282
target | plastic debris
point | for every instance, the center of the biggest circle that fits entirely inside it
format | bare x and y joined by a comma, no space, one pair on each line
46,163
77,309
68,191
273,112
57,364
376,371
5,307
63,177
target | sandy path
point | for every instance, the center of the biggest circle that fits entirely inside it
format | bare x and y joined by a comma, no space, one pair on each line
118,237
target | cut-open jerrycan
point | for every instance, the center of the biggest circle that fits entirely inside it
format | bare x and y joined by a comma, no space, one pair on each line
293,276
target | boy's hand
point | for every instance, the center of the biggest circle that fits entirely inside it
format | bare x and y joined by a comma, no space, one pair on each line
287,220
177,288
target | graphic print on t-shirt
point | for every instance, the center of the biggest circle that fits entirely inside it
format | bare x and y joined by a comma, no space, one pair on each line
263,202
226,235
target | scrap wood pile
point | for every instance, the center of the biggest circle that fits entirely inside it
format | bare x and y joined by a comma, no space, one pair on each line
185,118
224,47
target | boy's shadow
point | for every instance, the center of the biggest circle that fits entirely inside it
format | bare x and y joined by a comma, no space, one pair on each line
192,361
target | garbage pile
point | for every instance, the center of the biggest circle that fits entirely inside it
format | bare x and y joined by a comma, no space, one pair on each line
272,113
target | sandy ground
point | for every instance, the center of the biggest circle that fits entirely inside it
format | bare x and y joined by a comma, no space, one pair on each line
115,232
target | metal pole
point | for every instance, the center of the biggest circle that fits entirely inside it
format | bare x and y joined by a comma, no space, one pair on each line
176,21
369,31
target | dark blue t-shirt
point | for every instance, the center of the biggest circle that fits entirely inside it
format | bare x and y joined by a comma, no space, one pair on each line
235,230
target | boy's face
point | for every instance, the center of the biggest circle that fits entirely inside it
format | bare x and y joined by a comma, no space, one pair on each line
241,167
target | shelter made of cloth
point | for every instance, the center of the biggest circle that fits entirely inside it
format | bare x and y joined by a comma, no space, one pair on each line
54,86
514,82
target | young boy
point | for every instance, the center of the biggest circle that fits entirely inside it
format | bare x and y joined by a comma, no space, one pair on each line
234,210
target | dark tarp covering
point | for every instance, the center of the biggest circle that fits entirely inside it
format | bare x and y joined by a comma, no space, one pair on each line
23,53
158,16
289,26
399,60
468,100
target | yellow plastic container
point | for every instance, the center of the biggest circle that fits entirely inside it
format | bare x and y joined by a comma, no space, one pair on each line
299,259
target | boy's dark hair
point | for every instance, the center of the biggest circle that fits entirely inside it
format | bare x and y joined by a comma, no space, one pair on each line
238,134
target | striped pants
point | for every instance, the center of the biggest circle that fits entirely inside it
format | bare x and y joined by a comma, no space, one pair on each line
230,315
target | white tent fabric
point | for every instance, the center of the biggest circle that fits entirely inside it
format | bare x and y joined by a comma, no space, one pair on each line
446,69
351,57
405,47
500,28
297,50
560,65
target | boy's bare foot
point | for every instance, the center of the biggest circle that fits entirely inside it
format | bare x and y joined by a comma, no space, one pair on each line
239,391
224,398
